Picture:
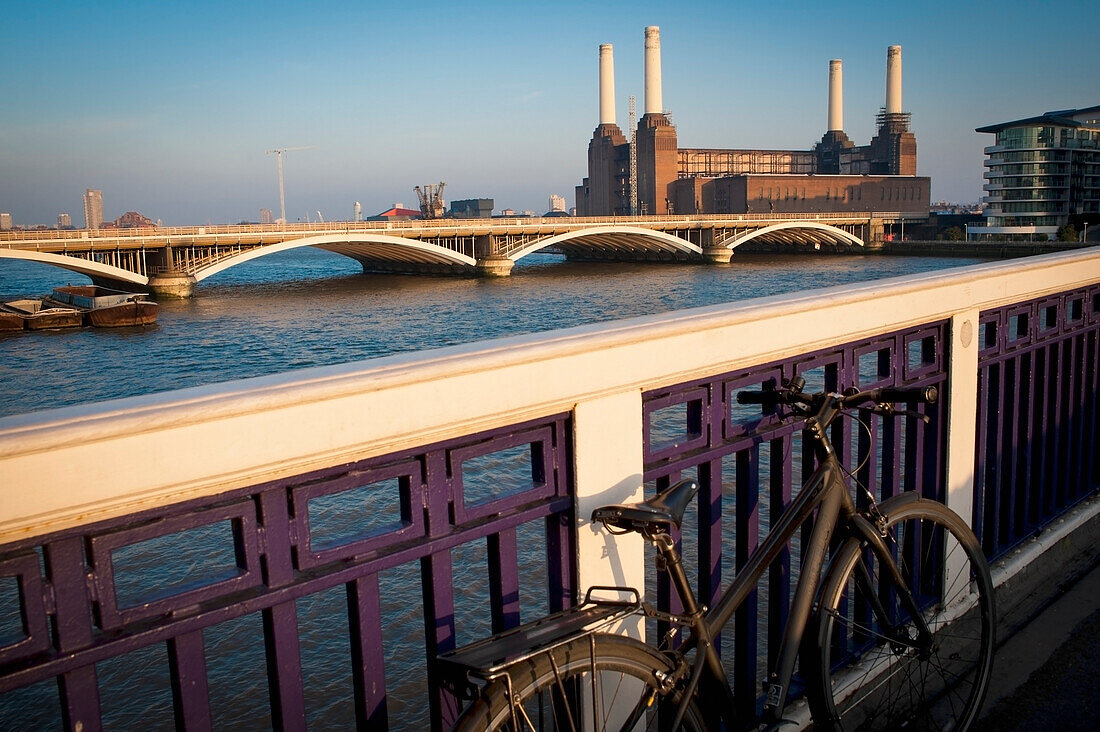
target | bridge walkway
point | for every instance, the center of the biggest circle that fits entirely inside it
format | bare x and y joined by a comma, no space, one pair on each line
1045,674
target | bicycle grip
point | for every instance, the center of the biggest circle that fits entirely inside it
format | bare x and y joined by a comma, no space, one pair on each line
918,394
770,398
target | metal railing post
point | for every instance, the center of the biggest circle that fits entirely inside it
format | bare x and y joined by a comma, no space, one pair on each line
962,419
608,457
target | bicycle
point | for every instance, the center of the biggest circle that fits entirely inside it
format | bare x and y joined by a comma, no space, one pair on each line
879,636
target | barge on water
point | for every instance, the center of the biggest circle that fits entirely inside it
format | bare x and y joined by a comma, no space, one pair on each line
106,308
38,315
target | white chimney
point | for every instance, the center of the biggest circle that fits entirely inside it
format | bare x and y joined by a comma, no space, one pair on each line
836,96
653,102
607,85
893,80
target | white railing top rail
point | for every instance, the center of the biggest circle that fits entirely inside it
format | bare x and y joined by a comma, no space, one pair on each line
69,466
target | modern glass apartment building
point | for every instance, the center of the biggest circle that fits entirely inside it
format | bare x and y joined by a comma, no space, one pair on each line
1042,173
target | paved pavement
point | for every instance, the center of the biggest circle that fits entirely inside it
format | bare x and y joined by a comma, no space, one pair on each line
1047,675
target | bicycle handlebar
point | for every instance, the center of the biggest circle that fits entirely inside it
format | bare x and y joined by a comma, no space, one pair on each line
881,395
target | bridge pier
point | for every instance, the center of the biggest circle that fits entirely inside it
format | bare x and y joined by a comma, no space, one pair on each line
714,254
876,234
172,285
717,255
495,266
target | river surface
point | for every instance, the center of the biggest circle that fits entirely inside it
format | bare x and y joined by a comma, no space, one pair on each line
309,308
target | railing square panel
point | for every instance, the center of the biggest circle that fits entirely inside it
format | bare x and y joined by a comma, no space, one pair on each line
675,422
923,354
741,420
502,473
1018,331
1075,308
129,588
1049,321
990,328
357,512
821,371
23,623
874,364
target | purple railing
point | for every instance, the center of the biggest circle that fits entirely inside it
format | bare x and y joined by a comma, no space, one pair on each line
1037,414
274,606
749,467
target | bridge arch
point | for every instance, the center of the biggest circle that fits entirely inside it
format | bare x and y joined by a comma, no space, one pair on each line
89,268
379,248
794,232
613,239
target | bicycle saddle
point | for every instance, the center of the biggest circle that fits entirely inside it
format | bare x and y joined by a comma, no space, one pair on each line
653,514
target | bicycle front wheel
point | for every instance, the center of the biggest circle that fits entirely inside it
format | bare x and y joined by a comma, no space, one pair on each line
598,682
870,668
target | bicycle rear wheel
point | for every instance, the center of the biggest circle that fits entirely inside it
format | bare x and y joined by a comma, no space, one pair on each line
597,682
870,672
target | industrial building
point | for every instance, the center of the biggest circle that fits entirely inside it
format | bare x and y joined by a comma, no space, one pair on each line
663,178
472,208
1042,173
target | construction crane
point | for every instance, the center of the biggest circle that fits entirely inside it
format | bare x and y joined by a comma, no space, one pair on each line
279,158
431,200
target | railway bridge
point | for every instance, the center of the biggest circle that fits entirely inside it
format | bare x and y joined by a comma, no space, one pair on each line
170,261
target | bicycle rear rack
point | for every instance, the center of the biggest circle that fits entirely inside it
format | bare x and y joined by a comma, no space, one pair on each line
487,658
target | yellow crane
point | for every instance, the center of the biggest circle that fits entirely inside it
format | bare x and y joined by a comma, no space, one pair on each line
278,152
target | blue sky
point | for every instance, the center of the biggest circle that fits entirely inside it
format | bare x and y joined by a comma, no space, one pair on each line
169,107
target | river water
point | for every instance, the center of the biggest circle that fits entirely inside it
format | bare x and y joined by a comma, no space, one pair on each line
309,308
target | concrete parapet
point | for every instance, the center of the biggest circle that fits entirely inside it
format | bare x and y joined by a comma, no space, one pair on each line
172,286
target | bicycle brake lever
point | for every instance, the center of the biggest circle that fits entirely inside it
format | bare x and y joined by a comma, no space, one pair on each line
888,410
910,413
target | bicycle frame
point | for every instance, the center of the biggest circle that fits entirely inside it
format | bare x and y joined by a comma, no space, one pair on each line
826,492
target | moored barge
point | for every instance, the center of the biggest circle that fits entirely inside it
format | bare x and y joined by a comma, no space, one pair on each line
106,308
43,315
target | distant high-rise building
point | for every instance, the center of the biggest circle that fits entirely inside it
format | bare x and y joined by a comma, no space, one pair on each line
93,209
266,217
557,203
5,222
1040,174
64,221
357,210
